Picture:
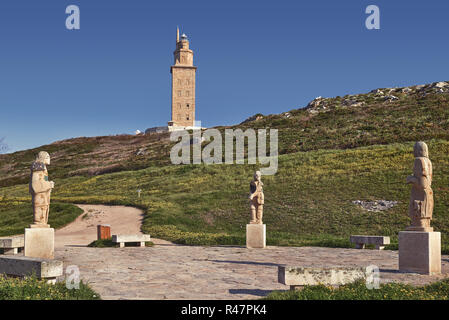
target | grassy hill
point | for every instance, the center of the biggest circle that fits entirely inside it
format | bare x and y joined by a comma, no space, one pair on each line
89,156
333,152
382,116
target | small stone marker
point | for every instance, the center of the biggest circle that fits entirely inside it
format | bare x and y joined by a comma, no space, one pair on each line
121,239
378,241
138,192
11,245
19,266
297,277
103,231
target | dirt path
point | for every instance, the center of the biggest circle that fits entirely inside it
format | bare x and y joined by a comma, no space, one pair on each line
169,271
81,232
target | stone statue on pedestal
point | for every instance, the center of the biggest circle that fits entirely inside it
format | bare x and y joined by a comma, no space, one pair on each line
421,199
256,199
40,189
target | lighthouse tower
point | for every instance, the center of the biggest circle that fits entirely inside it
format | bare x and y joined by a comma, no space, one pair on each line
183,86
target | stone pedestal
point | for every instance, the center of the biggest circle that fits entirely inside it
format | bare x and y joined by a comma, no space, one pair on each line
420,252
256,235
39,243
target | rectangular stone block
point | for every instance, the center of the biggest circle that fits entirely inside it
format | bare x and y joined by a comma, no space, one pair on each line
39,243
121,239
420,252
25,266
309,276
256,235
361,241
11,245
12,242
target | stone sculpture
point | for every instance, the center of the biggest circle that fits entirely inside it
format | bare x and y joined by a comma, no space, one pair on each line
256,199
40,189
421,199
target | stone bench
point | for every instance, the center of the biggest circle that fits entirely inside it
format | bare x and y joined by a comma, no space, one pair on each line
19,266
126,238
378,241
11,245
297,277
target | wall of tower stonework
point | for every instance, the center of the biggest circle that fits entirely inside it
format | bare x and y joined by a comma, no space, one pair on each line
184,58
183,96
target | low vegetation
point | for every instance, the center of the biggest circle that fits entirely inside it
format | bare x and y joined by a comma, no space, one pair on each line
358,291
35,289
15,215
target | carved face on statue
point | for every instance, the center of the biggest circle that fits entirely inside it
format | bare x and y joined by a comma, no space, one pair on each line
420,150
43,157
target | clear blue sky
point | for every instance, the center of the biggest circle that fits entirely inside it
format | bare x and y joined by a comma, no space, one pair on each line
112,76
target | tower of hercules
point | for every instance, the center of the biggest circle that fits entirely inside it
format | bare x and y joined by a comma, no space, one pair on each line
183,85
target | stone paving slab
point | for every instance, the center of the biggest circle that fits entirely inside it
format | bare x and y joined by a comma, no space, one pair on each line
168,271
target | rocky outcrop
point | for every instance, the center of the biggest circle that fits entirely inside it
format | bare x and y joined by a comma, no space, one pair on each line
382,95
255,117
376,205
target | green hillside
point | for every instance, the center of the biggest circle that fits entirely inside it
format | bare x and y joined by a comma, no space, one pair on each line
382,116
332,153
309,200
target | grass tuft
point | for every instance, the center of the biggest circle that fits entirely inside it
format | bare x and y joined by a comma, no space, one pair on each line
31,288
358,291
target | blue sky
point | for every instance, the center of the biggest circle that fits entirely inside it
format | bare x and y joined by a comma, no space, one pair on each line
112,76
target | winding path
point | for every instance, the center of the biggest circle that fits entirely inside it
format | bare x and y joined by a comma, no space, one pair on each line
170,271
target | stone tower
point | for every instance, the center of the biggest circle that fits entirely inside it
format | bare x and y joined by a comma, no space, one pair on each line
183,85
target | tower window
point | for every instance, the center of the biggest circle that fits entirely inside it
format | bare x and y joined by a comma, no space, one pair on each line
187,117
179,105
188,106
187,93
179,93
